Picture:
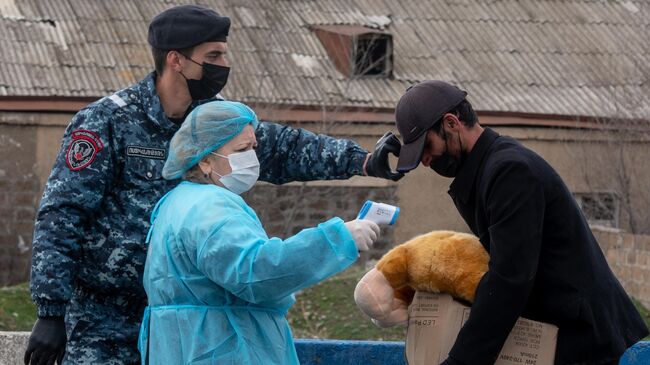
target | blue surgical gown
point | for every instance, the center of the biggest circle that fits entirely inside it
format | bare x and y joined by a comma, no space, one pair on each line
219,288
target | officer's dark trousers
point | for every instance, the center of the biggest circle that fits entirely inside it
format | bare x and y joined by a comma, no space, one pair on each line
103,330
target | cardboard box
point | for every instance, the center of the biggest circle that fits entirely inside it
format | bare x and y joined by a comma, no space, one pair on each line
436,319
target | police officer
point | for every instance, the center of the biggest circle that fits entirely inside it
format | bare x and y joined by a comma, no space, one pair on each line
89,240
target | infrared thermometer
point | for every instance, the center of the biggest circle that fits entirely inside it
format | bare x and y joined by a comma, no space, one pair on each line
379,213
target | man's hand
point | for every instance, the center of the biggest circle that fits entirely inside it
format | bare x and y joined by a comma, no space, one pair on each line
377,162
47,342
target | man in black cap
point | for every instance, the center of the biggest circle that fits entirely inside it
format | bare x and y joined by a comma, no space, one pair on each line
89,241
545,264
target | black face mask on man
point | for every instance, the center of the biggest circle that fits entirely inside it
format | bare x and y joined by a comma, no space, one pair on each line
213,80
447,165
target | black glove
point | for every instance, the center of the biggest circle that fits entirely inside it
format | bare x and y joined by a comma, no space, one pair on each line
377,164
47,342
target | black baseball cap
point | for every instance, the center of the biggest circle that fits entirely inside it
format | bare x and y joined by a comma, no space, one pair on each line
186,26
417,111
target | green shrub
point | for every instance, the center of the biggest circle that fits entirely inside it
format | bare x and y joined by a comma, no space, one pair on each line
17,312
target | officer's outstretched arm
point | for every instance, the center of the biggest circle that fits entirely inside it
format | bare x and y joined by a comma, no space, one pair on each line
289,154
82,171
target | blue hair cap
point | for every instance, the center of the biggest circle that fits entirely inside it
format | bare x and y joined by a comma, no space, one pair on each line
208,127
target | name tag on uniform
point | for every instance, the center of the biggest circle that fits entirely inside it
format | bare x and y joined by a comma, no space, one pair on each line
146,152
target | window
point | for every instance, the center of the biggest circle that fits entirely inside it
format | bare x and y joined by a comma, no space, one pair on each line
372,55
599,208
357,50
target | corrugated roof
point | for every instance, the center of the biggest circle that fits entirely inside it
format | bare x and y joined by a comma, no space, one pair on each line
571,57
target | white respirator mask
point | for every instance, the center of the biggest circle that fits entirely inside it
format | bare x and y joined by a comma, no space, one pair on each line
245,171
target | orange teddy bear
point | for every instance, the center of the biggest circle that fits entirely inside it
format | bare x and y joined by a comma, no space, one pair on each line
439,262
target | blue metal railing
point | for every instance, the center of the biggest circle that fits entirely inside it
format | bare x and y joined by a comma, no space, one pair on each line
336,352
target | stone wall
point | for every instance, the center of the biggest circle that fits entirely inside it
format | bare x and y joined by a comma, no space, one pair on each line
629,257
285,210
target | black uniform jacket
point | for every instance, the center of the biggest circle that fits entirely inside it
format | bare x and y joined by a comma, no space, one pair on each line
545,264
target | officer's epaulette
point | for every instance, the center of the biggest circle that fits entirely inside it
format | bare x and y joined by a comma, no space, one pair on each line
114,102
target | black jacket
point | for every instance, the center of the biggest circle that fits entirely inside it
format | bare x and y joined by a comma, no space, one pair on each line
545,264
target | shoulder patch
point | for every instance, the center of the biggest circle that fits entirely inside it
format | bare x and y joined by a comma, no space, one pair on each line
83,149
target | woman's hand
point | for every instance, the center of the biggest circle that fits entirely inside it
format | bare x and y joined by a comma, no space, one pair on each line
364,233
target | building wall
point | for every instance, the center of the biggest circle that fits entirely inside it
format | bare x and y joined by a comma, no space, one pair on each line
18,194
587,161
28,144
629,257
286,210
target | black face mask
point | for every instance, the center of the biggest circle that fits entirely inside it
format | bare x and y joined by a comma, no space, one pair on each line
213,80
447,165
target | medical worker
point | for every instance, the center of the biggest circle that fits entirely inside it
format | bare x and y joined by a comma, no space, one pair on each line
218,287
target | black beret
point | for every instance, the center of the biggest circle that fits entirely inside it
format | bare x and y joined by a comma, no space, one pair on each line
187,26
